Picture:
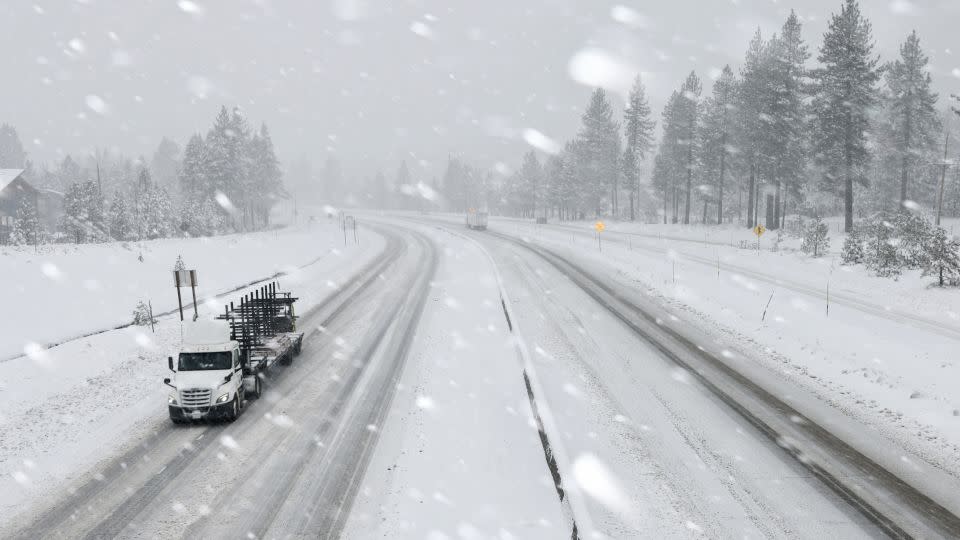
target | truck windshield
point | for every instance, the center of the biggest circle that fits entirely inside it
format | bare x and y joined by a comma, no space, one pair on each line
205,361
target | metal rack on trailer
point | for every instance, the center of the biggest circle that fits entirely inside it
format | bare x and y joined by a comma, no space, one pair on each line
264,325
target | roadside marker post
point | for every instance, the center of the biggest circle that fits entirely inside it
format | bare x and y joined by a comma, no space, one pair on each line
599,227
759,230
186,278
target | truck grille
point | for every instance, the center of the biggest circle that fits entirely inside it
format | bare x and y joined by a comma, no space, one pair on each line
195,397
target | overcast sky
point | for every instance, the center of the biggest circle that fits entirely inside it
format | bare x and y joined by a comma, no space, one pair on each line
377,82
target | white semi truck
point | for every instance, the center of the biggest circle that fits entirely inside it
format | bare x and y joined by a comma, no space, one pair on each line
221,362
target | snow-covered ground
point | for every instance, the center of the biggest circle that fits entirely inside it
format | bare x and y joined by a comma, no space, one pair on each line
885,354
66,408
63,291
459,455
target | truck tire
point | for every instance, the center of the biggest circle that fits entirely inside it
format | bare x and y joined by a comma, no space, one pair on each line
177,421
234,409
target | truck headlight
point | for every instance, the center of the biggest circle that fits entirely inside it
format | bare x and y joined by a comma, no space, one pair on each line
171,400
224,398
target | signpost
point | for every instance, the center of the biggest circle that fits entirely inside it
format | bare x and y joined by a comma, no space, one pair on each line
759,230
186,278
599,227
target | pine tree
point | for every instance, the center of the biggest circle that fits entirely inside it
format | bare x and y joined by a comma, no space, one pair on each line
225,164
689,117
12,154
639,132
912,106
118,218
881,254
943,258
530,184
141,314
913,233
752,102
265,176
815,241
179,264
193,180
845,92
787,112
715,137
26,226
165,164
669,166
853,252
599,152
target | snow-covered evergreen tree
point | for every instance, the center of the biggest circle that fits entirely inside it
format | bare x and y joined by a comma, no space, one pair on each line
689,114
179,264
26,226
943,258
141,314
638,127
118,218
752,126
788,88
815,241
715,139
599,153
912,107
912,233
165,164
881,253
193,180
846,90
853,252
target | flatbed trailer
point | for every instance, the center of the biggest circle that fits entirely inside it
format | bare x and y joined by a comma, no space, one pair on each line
264,324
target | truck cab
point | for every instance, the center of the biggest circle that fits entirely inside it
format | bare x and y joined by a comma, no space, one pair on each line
207,381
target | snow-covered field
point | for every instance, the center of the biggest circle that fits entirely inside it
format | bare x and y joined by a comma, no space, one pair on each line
885,354
68,407
63,291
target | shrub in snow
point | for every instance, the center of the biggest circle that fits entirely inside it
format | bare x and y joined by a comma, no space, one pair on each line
177,266
881,253
943,258
853,252
141,314
26,228
913,232
815,239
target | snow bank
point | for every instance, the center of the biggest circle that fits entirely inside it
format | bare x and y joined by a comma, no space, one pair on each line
65,291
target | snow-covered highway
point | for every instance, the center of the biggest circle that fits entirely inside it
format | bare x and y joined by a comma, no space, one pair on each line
408,415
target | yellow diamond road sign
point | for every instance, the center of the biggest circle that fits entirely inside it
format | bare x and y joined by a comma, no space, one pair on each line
599,226
759,230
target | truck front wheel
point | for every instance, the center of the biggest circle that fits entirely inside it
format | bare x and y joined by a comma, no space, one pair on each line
234,409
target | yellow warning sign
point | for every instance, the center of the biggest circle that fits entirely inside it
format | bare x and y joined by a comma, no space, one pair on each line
759,230
599,226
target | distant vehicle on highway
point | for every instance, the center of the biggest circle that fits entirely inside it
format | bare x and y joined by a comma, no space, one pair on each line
477,219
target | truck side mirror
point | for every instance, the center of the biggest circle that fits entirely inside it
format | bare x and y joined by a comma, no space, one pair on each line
167,382
170,363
